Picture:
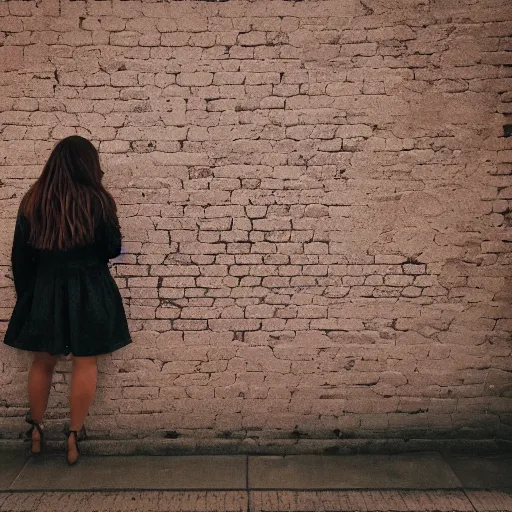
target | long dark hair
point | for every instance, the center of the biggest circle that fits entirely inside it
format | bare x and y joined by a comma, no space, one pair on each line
66,203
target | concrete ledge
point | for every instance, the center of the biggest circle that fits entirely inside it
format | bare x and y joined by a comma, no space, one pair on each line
209,446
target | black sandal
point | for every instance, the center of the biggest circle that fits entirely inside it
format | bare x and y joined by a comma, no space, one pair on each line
79,436
39,427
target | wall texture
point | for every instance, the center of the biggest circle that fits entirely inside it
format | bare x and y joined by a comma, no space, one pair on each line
316,205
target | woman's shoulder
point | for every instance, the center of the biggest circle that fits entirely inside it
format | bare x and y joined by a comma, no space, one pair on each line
22,221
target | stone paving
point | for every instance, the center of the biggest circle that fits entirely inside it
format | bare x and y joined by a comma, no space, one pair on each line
258,501
416,482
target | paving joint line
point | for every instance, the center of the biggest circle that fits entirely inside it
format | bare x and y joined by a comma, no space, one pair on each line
247,483
244,489
469,499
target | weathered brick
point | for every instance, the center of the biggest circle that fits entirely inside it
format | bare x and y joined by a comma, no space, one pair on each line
197,79
293,219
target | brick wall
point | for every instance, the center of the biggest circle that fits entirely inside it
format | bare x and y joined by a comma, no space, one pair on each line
315,200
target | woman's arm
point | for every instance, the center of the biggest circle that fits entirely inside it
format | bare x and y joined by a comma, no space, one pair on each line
110,239
22,256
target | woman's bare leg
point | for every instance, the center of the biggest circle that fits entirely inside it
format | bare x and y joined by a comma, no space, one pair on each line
83,388
39,385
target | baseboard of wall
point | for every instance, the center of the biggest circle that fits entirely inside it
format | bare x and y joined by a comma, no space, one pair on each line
191,446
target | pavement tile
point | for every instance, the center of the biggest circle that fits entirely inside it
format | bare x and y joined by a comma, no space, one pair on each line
231,501
403,471
141,472
417,501
491,501
392,500
493,472
260,501
11,463
359,501
147,501
26,502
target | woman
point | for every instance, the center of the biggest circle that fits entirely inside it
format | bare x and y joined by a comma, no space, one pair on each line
67,301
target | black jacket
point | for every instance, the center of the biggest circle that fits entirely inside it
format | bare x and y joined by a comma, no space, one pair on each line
67,301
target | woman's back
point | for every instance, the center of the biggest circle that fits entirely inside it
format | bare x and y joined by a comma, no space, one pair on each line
66,231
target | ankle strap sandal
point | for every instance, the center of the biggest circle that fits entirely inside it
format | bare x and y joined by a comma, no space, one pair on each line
40,428
79,435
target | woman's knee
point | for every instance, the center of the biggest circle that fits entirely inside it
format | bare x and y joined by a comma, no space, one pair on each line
85,362
47,360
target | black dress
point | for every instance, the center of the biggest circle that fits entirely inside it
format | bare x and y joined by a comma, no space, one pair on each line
67,301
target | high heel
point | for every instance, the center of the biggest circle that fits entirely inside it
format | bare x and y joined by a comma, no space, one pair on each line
40,428
79,435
